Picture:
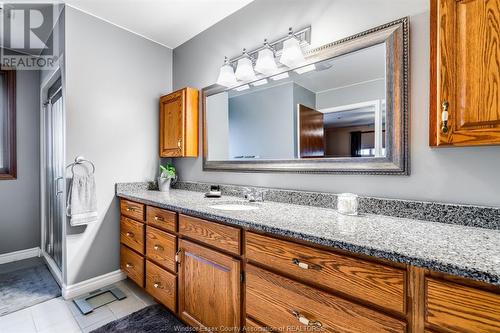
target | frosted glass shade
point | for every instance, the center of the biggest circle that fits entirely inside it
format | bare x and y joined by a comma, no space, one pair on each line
292,55
265,62
226,76
244,70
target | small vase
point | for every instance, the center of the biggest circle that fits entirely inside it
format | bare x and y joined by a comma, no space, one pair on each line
164,184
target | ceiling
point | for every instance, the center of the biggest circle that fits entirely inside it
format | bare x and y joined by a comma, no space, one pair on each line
167,22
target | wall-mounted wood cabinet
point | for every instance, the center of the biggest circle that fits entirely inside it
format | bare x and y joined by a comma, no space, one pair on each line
179,124
465,73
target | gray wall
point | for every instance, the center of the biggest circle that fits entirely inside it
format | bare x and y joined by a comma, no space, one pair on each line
461,175
20,198
261,123
113,83
364,92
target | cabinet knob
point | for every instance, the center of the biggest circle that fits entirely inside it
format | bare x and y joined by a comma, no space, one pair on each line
130,209
129,234
179,143
158,218
157,285
306,321
158,247
444,117
128,265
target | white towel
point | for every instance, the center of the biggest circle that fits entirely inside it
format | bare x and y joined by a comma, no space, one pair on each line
81,206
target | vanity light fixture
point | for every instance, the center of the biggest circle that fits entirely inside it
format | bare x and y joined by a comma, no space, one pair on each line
259,83
226,75
244,70
305,69
292,55
266,64
288,49
280,76
243,87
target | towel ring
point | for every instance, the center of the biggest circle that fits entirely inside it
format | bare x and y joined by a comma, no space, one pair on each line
78,161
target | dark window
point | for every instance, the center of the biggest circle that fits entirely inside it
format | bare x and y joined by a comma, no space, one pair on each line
8,167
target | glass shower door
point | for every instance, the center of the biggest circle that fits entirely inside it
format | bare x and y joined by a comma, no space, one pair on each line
54,173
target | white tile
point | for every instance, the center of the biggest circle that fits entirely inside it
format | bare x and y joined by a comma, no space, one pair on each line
68,326
17,322
98,324
126,306
95,316
50,313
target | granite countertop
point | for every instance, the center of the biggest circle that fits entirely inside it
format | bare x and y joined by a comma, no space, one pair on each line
454,249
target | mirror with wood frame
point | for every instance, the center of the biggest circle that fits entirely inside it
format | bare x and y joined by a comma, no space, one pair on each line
343,111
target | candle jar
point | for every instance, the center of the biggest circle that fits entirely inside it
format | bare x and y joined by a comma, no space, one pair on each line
347,204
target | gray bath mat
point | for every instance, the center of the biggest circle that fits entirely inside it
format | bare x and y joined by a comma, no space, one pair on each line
25,287
154,318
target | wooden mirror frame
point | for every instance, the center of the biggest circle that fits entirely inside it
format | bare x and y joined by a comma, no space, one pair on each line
395,36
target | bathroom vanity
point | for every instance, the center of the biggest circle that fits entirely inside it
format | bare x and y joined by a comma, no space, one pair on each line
293,267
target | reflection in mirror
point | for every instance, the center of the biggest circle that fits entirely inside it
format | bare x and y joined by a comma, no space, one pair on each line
334,108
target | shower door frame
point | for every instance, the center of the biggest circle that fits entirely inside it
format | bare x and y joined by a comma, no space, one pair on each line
59,274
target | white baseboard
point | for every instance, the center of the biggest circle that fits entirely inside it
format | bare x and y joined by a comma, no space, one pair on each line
84,287
19,255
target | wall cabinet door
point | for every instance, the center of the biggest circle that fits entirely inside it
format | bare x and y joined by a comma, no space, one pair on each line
209,287
465,72
179,124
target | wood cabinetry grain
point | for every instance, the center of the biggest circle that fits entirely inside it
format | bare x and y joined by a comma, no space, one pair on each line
284,304
132,234
459,308
378,284
161,218
132,209
161,248
465,72
132,264
162,285
220,236
209,288
179,124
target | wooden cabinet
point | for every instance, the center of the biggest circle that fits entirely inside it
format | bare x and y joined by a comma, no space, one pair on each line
200,270
465,72
179,124
209,287
280,303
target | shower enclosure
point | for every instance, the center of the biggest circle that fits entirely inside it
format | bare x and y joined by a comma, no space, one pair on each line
53,175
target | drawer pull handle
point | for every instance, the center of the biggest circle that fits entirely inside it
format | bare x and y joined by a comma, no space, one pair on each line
158,248
129,234
130,209
305,321
305,265
157,285
159,218
129,265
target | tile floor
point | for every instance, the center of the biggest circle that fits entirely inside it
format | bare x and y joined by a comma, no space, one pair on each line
58,315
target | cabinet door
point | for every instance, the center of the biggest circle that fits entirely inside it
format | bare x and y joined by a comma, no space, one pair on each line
465,68
172,124
209,287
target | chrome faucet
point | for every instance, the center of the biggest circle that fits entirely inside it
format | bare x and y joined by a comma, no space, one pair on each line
253,194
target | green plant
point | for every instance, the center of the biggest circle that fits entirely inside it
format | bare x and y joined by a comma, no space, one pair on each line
167,171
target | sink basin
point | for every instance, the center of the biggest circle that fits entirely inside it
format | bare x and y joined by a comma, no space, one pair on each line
234,207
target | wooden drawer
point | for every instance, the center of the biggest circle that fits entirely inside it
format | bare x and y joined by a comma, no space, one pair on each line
461,309
162,219
132,234
221,236
132,264
162,285
161,247
281,303
367,281
132,209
